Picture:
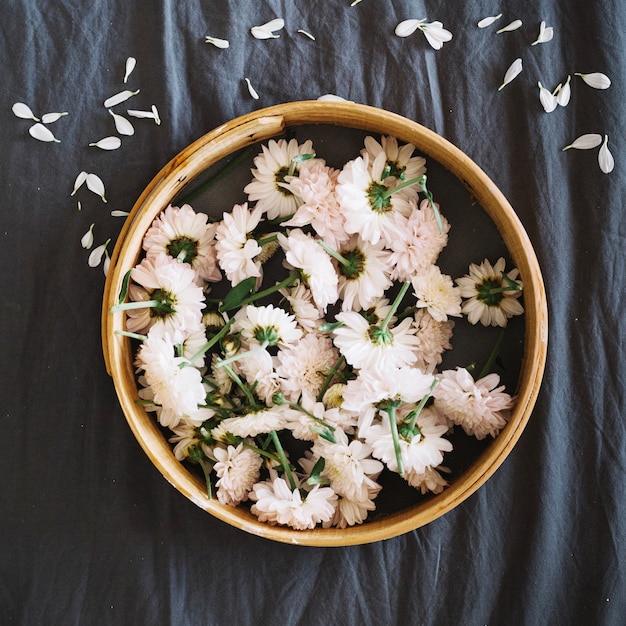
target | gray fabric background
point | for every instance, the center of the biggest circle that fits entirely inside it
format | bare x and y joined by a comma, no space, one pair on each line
90,533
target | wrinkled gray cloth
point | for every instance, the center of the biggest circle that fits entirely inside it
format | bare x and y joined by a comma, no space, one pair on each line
90,533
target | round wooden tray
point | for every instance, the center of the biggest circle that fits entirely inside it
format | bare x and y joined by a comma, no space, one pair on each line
262,125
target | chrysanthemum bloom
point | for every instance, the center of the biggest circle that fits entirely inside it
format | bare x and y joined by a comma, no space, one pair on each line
430,480
237,251
365,346
491,301
419,243
172,285
481,408
367,202
268,186
304,253
267,325
300,304
254,423
277,503
399,160
363,273
238,469
351,511
304,366
423,449
186,236
372,388
257,367
436,293
434,338
315,185
185,437
174,387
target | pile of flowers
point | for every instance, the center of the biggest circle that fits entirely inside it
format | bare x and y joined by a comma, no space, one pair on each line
293,346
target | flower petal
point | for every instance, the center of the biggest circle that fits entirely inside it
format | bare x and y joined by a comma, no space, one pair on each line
122,125
331,97
49,118
157,119
597,80
545,34
306,34
217,42
436,34
95,184
488,21
564,93
118,213
547,99
80,179
40,132
585,142
512,26
97,253
514,70
130,66
122,96
107,143
407,27
251,89
605,158
87,239
23,111
275,24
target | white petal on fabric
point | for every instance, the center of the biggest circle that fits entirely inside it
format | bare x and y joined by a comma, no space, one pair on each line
605,158
585,142
122,125
107,143
23,111
488,21
251,89
130,66
217,42
597,80
407,27
95,184
306,34
122,96
509,27
547,99
514,70
41,133
49,118
87,239
80,179
564,93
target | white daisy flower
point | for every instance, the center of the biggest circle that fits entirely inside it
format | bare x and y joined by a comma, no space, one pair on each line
420,241
418,451
315,186
187,237
237,469
267,325
480,407
277,503
428,481
372,388
365,347
237,251
268,186
301,305
253,423
367,203
185,437
172,285
434,338
304,253
354,511
363,273
258,370
490,300
303,366
399,160
436,293
174,387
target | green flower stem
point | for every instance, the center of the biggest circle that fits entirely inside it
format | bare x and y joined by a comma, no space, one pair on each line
329,427
262,452
495,353
140,304
391,413
207,478
429,196
414,414
209,344
334,254
395,305
269,239
241,355
217,176
283,460
403,185
126,333
240,384
329,378
270,290
298,159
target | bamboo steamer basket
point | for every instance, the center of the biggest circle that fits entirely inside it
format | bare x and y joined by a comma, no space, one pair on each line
260,126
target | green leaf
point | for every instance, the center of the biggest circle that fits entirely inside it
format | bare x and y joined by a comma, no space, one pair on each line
315,478
237,294
124,289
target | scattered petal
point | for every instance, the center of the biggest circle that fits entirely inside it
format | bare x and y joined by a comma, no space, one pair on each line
130,66
512,26
564,93
605,158
108,143
95,184
514,70
120,213
585,142
79,206
355,2
251,89
49,118
488,21
545,34
266,31
436,34
87,239
97,253
547,99
157,119
217,42
597,80
122,125
107,263
80,179
23,111
304,32
40,132
145,114
122,96
408,27
331,97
